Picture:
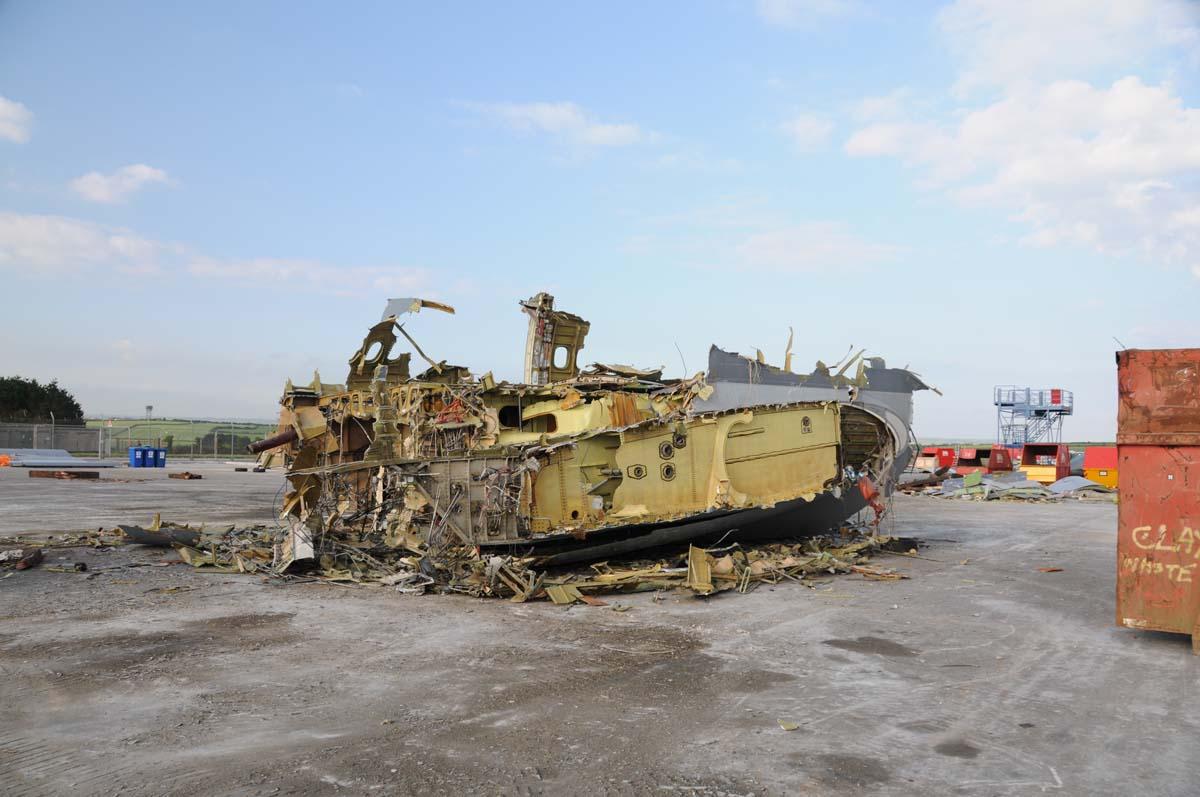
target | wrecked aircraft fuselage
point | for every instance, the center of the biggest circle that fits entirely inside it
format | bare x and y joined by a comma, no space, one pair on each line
572,463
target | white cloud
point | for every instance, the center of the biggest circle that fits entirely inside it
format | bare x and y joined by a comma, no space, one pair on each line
891,138
51,245
1112,168
798,13
808,131
15,121
562,119
809,246
109,188
1005,42
1109,164
888,106
1186,218
55,244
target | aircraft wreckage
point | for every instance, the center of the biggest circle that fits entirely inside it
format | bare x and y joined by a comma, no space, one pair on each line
578,464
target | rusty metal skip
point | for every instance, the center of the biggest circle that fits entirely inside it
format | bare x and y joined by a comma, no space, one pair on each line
1158,527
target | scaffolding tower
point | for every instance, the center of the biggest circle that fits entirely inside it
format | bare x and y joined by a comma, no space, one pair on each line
1031,415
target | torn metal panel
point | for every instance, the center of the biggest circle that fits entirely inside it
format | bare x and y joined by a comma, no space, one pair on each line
161,537
296,547
374,353
699,575
741,381
553,342
399,307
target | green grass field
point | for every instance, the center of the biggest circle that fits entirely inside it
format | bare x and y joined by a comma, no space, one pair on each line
183,432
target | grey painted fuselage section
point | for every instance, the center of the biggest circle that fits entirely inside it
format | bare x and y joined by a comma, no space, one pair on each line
739,381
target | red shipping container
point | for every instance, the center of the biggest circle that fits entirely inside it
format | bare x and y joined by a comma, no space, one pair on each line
1158,478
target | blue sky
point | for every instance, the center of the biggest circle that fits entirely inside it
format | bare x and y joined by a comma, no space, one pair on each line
198,201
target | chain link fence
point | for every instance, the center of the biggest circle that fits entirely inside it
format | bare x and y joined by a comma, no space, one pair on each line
191,439
76,439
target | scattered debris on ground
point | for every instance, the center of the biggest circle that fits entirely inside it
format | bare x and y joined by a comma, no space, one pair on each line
21,558
1009,486
12,556
465,570
64,474
185,475
99,539
917,482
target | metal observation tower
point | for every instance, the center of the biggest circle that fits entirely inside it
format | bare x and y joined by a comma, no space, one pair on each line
1031,415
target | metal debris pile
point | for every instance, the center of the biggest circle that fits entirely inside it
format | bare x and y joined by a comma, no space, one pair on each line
709,571
26,552
460,470
1014,486
464,570
246,549
99,539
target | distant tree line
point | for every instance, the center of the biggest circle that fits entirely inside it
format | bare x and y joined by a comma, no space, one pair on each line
29,401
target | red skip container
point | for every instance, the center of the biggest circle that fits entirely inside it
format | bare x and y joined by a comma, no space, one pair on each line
1158,478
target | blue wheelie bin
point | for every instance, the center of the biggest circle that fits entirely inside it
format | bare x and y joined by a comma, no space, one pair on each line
160,457
136,456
